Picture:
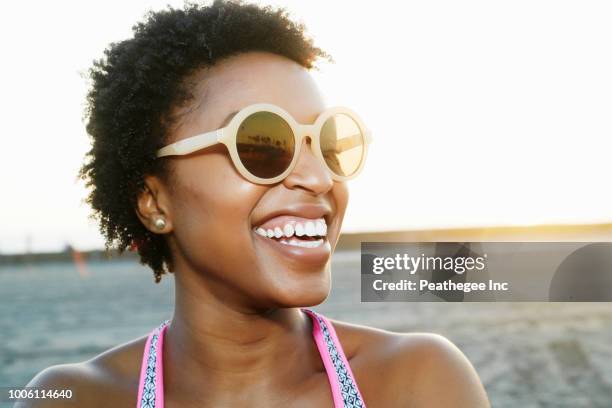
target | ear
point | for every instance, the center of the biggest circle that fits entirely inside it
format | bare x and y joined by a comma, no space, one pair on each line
152,204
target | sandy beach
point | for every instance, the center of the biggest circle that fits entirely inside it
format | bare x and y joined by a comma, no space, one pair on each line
527,354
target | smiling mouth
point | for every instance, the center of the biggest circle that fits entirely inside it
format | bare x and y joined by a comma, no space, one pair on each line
295,231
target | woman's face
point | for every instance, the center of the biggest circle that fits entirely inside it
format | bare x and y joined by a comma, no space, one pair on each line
213,211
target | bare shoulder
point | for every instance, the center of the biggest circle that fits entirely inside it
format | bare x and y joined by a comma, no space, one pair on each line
410,369
108,379
77,378
440,366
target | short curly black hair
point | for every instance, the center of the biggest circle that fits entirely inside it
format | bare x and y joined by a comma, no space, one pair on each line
136,85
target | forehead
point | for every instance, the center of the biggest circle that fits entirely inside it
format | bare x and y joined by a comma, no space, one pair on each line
254,77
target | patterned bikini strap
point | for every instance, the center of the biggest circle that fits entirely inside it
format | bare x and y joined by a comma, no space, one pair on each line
344,388
150,391
345,392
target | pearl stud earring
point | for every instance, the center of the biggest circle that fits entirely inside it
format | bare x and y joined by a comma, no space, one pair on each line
160,223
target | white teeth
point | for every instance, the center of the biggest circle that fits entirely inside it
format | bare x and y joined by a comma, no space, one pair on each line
288,230
313,228
278,232
321,228
304,244
310,229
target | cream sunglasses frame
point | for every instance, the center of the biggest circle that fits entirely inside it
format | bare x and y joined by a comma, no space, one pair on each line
227,136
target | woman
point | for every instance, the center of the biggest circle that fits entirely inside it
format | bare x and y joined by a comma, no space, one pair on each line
246,218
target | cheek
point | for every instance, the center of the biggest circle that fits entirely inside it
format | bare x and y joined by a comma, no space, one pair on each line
340,195
211,209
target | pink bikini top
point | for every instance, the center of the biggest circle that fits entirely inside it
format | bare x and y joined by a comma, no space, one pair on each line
341,379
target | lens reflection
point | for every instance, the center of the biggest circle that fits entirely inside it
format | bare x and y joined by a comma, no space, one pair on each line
265,144
342,144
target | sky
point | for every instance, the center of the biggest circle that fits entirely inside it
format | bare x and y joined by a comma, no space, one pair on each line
483,113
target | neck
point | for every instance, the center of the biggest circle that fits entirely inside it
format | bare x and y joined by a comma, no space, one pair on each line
214,347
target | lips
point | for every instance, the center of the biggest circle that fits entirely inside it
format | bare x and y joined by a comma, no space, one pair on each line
297,232
305,252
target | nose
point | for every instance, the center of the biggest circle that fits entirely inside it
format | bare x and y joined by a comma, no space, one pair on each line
309,173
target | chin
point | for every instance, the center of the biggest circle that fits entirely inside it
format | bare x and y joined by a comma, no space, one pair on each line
299,289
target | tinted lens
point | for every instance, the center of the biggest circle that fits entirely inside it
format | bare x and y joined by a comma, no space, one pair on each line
265,144
342,144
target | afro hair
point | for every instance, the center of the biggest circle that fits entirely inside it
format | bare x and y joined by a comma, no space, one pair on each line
134,88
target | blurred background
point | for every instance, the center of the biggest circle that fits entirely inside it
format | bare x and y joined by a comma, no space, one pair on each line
491,122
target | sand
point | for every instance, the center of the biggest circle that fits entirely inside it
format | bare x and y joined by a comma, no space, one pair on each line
527,354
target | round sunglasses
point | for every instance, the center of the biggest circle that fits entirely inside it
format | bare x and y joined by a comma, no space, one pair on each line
264,142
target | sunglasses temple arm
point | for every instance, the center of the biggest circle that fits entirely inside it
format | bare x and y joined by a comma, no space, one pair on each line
350,142
191,144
